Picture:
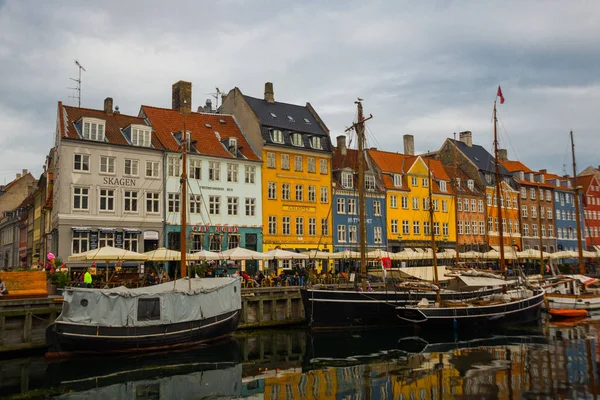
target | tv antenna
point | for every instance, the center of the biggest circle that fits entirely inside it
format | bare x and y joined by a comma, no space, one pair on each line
216,96
78,81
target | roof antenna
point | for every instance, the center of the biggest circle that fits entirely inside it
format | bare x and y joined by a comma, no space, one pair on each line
216,96
78,81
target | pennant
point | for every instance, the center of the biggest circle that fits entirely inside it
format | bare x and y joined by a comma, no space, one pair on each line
499,94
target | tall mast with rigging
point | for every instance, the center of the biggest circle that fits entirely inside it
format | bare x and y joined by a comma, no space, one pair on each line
183,206
539,206
577,211
456,201
431,231
498,194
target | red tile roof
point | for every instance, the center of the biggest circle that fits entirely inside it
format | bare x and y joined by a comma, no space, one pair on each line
12,183
585,181
514,166
395,163
203,127
460,174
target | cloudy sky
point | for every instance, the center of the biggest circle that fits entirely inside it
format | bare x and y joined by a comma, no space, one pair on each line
426,68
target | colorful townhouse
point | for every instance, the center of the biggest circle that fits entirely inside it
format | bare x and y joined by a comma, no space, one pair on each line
537,207
346,232
224,201
590,190
479,165
296,151
406,179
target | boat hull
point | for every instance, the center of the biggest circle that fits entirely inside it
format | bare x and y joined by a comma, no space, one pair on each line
588,302
342,309
69,338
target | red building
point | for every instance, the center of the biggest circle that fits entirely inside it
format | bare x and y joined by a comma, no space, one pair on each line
591,209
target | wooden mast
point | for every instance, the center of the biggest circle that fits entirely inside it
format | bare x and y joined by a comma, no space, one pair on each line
498,196
456,201
183,203
431,231
577,211
539,221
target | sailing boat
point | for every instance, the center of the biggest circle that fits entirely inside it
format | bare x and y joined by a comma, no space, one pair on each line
185,312
355,307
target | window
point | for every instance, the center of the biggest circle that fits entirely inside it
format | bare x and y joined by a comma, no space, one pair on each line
80,242
459,204
352,233
140,137
300,226
397,180
351,206
152,202
471,184
152,169
285,191
347,181
324,226
195,204
131,167
445,205
195,169
467,228
416,228
341,206
107,200
173,202
341,233
297,139
324,195
550,231
214,205
214,171
130,201
489,199
250,173
93,130
532,193
232,205
549,213
312,194
415,182
490,224
534,229
81,162
311,165
315,142
436,228
524,211
533,212
285,161
370,182
525,229
405,227
480,205
299,193
436,206
298,163
482,228
130,241
173,166
460,227
250,207
276,135
425,203
377,208
272,225
271,160
215,242
197,241
415,201
466,203
542,213
377,235
323,167
548,195
426,228
106,239
473,205
473,225
312,227
272,191
393,201
405,202
443,186
107,165
285,223
80,198
523,193
515,204
232,173
394,227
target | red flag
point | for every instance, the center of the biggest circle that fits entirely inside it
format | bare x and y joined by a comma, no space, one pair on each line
499,94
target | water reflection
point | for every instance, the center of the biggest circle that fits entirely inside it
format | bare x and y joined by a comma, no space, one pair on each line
553,361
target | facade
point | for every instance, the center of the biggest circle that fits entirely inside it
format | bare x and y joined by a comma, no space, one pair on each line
10,236
224,178
13,193
590,186
346,232
296,151
108,182
536,202
479,165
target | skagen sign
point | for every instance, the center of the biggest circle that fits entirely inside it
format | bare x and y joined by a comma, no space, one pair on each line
299,208
128,182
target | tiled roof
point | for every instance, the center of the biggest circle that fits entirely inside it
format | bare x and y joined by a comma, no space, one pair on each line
585,181
480,157
204,128
349,160
114,123
514,166
453,172
395,163
9,185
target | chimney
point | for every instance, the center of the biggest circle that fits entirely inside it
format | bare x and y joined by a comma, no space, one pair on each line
108,105
18,176
467,138
543,171
25,172
269,95
341,144
182,96
502,154
409,145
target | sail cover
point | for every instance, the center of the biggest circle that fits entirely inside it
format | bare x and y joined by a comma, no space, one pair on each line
167,303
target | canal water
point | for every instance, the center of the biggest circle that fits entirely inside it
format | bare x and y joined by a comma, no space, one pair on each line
549,361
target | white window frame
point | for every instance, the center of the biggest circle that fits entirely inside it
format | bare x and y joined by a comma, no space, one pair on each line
352,210
316,142
285,161
250,207
130,200
154,168
312,194
108,165
397,180
173,202
174,167
250,174
272,225
393,201
195,169
312,226
141,137
214,171
271,160
134,167
324,195
232,172
84,163
323,167
107,194
214,205
286,225
276,136
298,164
272,190
299,226
82,239
83,192
153,199
233,205
296,139
311,165
341,205
195,204
347,180
285,191
97,126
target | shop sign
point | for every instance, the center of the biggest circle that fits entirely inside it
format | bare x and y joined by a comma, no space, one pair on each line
208,228
299,208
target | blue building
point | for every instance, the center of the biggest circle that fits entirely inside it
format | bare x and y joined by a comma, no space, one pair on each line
346,233
564,212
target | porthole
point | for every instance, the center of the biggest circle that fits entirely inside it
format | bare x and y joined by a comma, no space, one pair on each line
84,302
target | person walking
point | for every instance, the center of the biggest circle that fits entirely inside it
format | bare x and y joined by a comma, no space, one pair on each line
87,279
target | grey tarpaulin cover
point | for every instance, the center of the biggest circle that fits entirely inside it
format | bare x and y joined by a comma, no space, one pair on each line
209,297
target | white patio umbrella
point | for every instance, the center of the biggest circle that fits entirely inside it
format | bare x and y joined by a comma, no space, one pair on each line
164,254
318,255
532,253
470,254
279,254
345,254
379,254
203,255
447,253
563,254
240,253
108,253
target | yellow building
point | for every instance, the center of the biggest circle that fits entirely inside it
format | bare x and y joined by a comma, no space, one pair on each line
296,173
406,180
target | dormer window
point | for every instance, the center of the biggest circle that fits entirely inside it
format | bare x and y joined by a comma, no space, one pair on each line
277,136
521,175
397,180
290,118
297,139
140,136
370,182
232,146
93,129
470,184
443,187
457,182
531,177
347,181
315,142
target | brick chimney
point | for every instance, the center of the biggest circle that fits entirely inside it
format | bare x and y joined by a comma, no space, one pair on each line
25,172
502,155
409,145
341,144
543,171
269,95
108,105
467,138
182,96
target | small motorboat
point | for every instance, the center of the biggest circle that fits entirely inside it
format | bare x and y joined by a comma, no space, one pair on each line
557,313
